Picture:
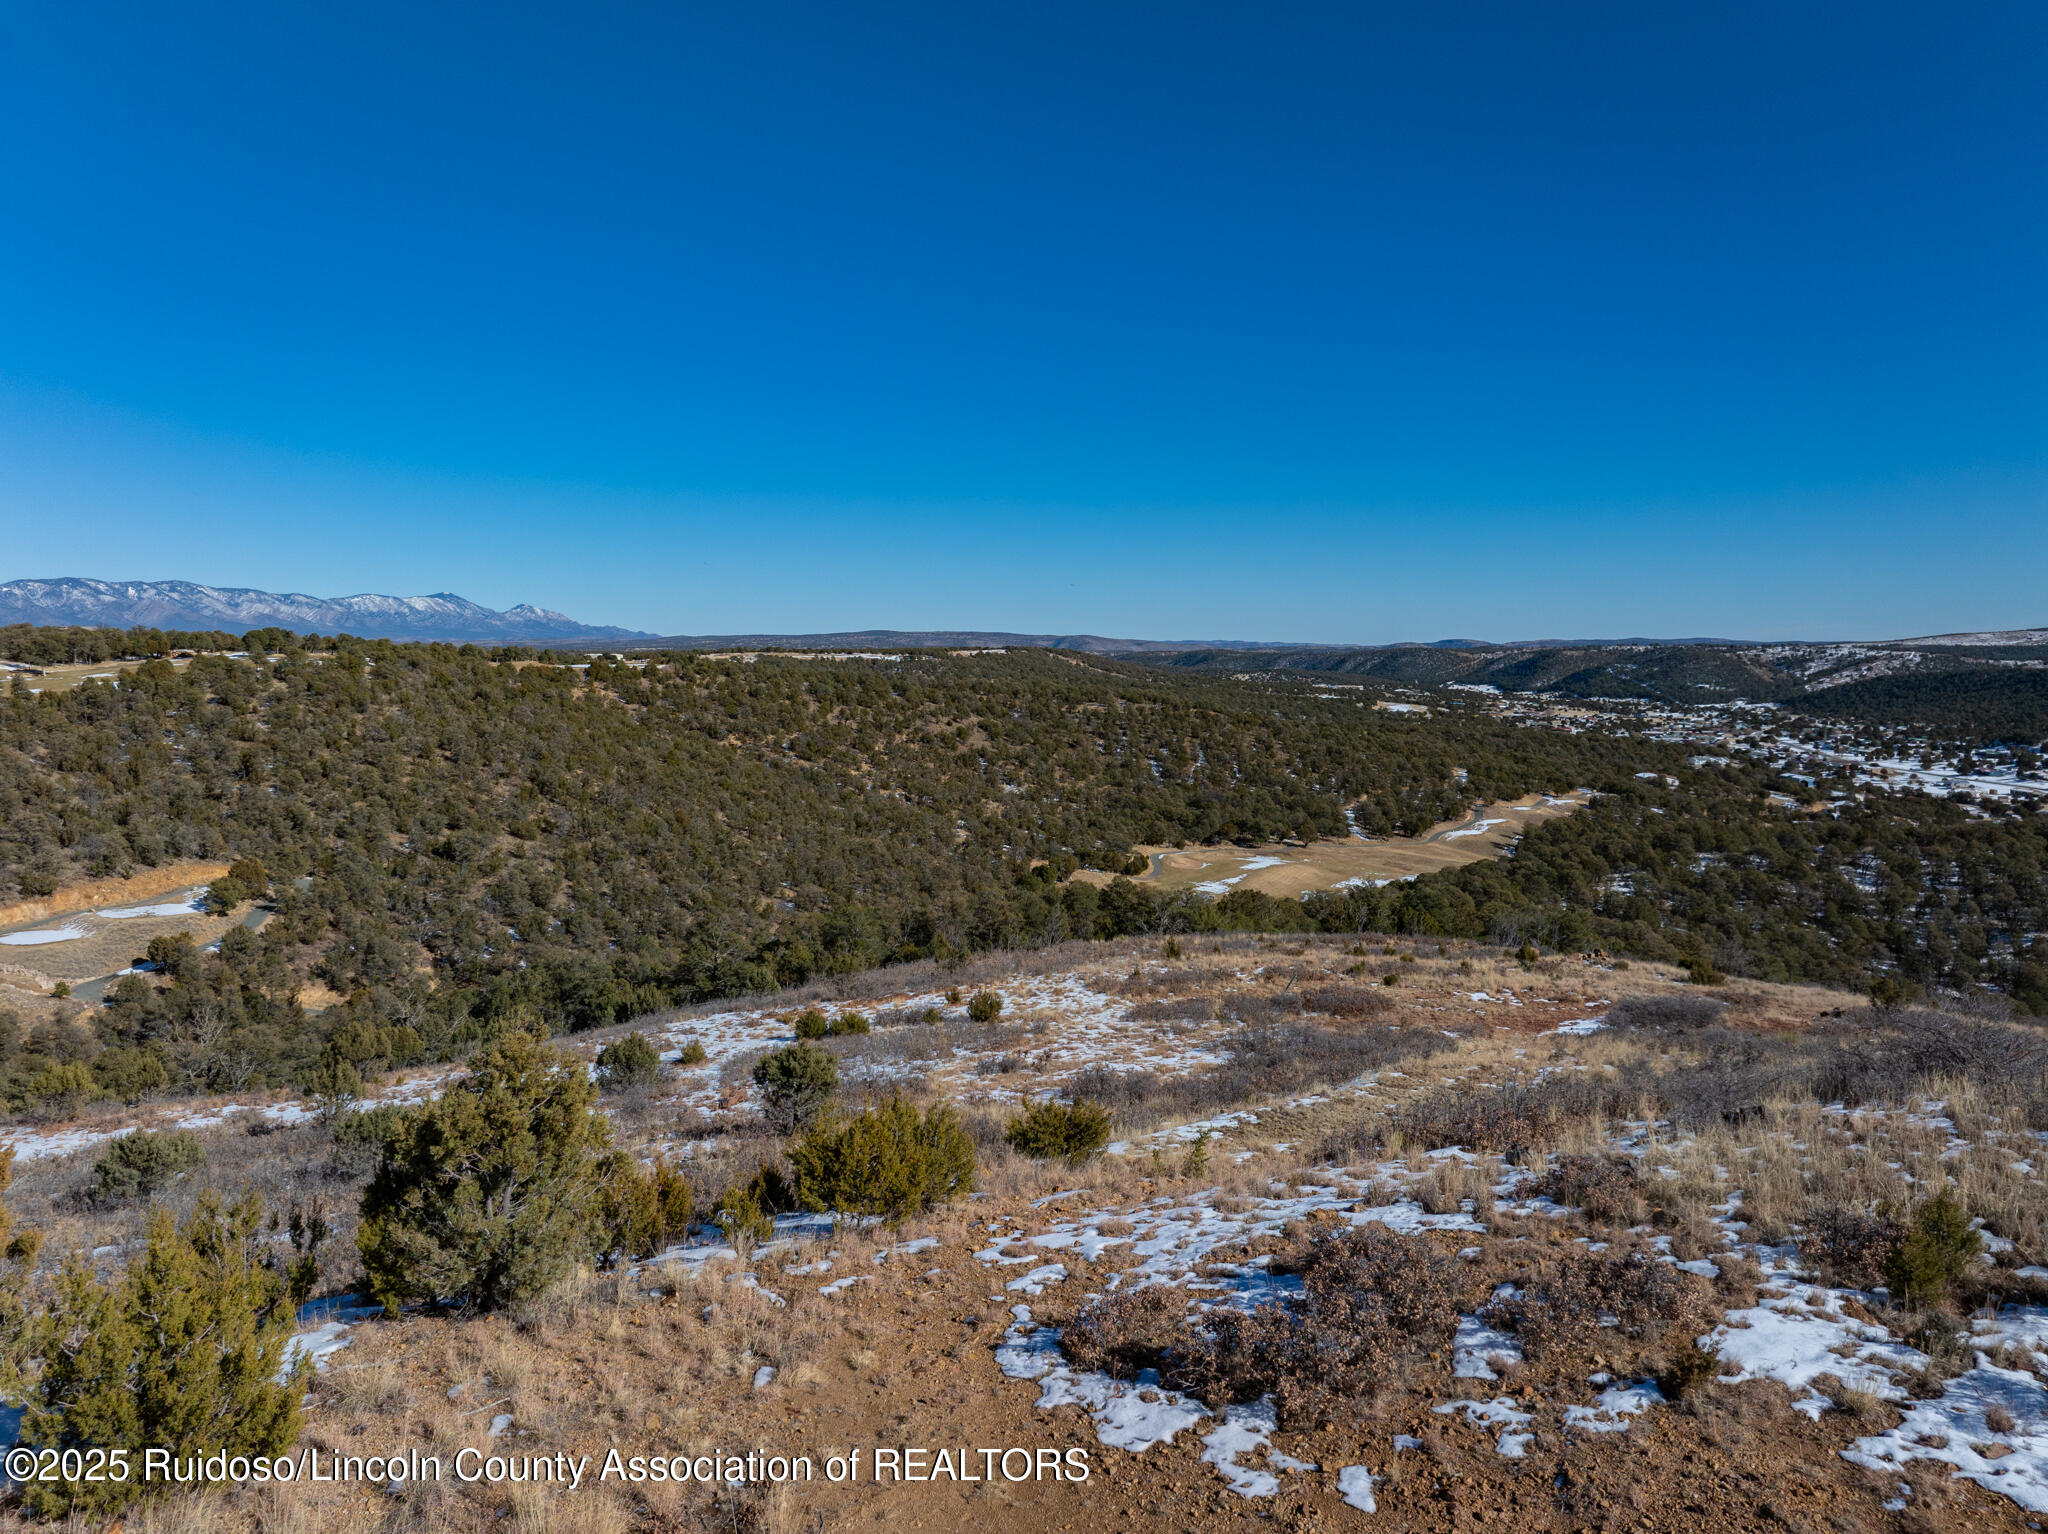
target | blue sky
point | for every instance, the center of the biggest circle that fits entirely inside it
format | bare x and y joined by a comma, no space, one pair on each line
1315,322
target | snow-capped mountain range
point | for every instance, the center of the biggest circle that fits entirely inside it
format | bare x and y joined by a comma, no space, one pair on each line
237,609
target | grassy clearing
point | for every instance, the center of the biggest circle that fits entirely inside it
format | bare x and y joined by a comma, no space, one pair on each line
1290,869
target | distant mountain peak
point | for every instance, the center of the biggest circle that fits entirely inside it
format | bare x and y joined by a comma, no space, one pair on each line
442,615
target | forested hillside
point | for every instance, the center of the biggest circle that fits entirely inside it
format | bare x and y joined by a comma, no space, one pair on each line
1992,704
1906,886
1984,694
453,835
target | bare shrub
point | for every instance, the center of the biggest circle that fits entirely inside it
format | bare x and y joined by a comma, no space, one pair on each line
1256,1010
1197,1008
1126,1094
1607,1188
908,1017
1514,1118
1161,982
1354,1003
1128,1331
1560,1313
1849,1247
895,1045
1887,1057
1370,1301
1264,1061
1677,1013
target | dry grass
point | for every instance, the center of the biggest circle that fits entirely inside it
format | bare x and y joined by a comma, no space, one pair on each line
668,1356
1325,863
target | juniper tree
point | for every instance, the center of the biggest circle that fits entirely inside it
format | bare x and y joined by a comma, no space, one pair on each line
1059,1131
185,1352
887,1161
628,1063
145,1162
488,1195
796,1082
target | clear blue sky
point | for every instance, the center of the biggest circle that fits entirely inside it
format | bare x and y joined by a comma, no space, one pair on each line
1334,322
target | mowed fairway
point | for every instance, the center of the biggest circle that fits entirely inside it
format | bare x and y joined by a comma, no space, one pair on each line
89,932
1288,870
70,674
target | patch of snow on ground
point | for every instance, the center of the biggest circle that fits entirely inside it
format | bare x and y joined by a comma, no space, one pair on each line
1617,1403
1123,1418
1354,1484
40,1145
1477,828
44,935
1035,1281
1477,1347
327,1324
323,1340
1503,1414
1953,1431
1795,1337
1245,1429
1580,1025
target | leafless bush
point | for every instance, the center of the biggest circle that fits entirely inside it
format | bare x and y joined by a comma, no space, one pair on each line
1354,1003
1161,982
1264,1062
907,1017
1197,1008
1515,1118
1128,1095
1847,1246
1608,1189
1129,1331
1678,1013
1256,1010
1561,1312
921,1044
986,1129
1370,1301
1864,1057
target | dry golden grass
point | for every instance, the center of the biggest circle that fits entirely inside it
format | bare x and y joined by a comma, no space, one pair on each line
1325,863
